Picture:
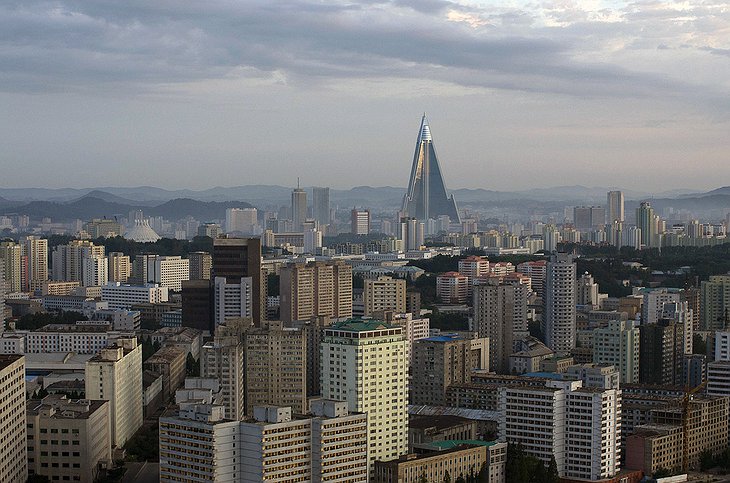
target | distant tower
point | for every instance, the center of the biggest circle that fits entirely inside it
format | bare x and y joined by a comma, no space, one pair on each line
426,196
298,207
321,205
646,222
614,206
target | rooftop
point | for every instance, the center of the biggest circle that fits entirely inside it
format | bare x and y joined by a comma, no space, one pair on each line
416,421
7,359
360,325
460,442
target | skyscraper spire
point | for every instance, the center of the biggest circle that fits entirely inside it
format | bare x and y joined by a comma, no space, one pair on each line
426,196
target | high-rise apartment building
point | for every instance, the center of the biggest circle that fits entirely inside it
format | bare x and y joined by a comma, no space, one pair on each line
166,271
438,362
654,301
14,449
232,300
201,264
123,296
618,344
385,293
586,291
359,221
500,312
474,267
80,442
120,268
559,312
36,251
536,271
115,375
68,259
565,421
298,208
715,303
452,288
426,196
321,205
94,271
11,254
411,233
315,289
222,360
235,258
241,220
646,221
615,207
661,352
364,363
275,367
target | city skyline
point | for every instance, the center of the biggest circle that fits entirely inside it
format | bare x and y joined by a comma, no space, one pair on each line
522,95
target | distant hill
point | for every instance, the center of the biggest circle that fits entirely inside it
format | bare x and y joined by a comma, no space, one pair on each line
108,197
201,210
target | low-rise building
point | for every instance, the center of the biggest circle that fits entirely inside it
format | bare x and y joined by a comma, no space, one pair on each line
169,362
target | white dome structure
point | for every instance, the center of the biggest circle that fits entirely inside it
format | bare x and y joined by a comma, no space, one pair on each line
142,232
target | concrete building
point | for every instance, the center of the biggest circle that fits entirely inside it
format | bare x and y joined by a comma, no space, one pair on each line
11,254
450,458
223,360
14,448
500,314
661,353
36,251
646,222
241,220
364,363
715,303
559,313
123,296
615,207
474,267
452,288
298,208
537,271
119,268
68,439
587,291
236,258
201,264
618,344
359,222
103,228
165,271
115,375
425,430
321,205
169,362
315,289
94,271
385,293
275,367
652,308
232,299
566,421
68,259
438,362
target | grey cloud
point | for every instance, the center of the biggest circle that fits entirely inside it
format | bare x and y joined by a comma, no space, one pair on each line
79,45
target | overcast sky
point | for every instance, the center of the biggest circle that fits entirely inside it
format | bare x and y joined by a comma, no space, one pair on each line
195,94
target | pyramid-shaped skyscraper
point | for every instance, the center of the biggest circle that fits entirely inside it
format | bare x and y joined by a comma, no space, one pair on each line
426,197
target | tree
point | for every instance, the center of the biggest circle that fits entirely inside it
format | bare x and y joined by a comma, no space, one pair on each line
699,346
422,478
192,367
447,477
552,475
707,460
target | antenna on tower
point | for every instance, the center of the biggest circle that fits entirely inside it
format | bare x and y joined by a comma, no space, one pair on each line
297,182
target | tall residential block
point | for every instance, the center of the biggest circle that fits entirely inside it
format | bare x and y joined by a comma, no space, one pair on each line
618,344
68,259
559,312
201,264
275,367
364,363
14,449
222,359
500,313
385,293
115,375
614,207
11,254
241,220
452,288
646,221
315,289
36,251
298,208
236,258
715,303
661,353
474,267
120,267
321,205
232,300
359,221
438,362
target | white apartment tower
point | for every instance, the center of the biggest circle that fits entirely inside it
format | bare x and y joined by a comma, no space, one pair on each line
559,313
119,267
68,260
115,374
14,448
223,360
232,300
12,254
36,249
364,363
94,271
614,207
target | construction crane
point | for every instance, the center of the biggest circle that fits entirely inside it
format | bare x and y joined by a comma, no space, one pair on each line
686,399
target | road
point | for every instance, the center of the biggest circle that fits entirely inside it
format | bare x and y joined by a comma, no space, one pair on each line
142,473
